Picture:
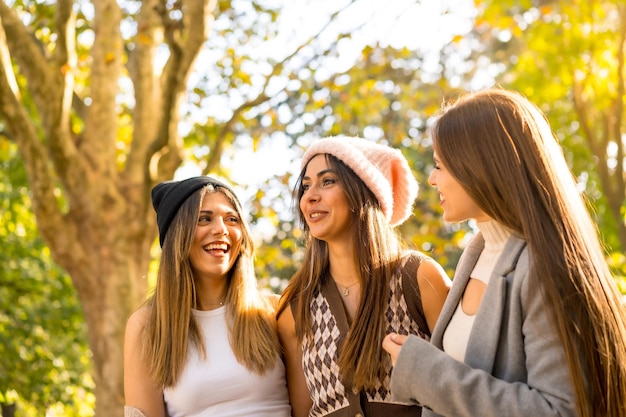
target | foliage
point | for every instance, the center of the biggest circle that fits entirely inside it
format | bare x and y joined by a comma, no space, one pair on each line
383,97
568,57
44,360
389,94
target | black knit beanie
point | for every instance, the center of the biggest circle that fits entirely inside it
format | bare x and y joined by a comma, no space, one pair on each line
168,196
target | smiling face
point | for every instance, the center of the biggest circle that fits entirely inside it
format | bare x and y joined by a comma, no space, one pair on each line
217,240
456,203
324,204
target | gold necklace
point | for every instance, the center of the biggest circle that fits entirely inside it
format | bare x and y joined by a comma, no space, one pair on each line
346,290
219,304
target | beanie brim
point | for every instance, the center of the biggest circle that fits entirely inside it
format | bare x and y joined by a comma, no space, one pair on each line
168,196
384,170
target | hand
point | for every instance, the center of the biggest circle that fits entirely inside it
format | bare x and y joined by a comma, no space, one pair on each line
392,343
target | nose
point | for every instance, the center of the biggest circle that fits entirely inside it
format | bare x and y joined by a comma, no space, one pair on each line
310,195
431,178
218,227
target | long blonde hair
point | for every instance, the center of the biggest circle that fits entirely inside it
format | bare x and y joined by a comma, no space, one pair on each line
171,327
502,151
378,251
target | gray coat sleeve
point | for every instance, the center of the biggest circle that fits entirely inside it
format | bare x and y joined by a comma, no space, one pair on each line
527,376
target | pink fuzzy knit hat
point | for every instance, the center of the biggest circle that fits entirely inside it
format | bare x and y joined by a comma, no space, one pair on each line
383,169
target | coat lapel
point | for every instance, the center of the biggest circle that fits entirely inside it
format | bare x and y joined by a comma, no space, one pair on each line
483,340
461,276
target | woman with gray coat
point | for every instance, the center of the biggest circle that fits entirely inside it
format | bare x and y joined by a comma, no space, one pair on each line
533,324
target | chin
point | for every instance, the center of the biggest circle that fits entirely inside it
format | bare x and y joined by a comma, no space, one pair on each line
450,219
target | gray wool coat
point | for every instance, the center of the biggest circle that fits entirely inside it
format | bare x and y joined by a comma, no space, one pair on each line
514,364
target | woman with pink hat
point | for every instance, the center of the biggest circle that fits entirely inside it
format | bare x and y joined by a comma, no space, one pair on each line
357,281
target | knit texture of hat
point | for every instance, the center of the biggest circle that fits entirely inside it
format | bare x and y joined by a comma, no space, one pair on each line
168,196
383,169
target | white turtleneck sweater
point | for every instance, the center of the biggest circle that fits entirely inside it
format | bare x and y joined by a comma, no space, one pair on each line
456,335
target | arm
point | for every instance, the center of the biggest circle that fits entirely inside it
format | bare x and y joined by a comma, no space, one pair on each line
140,393
298,391
434,286
529,375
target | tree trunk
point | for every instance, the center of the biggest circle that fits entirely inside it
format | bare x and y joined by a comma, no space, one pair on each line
91,198
122,282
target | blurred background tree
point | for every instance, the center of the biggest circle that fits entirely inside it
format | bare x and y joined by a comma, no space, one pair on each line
568,57
99,101
44,358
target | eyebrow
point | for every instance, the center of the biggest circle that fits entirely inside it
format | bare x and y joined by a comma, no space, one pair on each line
321,173
228,212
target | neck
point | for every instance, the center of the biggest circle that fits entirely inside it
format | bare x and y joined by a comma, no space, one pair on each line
494,233
343,269
210,297
495,236
346,279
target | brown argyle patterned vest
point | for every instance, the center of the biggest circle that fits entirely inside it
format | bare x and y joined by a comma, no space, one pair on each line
320,353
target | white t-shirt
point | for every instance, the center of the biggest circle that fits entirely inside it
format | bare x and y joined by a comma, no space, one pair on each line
219,386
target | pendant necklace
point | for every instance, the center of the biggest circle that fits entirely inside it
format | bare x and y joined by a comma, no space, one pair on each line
346,290
219,304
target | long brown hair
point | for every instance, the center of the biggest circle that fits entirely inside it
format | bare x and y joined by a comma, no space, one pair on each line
502,151
378,250
171,327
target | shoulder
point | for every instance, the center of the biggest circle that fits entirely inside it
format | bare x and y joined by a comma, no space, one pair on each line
134,336
137,321
286,322
431,272
139,317
271,300
430,267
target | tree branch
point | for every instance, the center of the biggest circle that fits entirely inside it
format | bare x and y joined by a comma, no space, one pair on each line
277,69
184,38
28,54
98,141
147,90
57,111
618,112
22,130
46,84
